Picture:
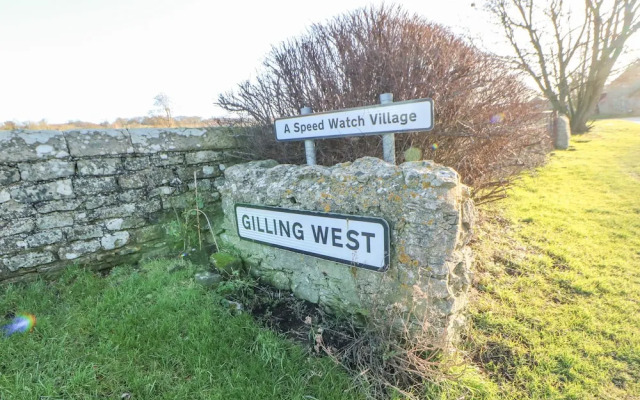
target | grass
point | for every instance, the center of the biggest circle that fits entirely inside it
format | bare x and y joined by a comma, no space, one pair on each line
150,334
556,314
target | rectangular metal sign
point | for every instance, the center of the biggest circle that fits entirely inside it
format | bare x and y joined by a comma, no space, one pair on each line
403,116
354,240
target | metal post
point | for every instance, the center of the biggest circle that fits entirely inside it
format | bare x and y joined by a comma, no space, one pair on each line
388,139
309,145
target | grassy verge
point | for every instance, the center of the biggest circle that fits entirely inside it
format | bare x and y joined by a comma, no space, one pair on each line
557,308
150,334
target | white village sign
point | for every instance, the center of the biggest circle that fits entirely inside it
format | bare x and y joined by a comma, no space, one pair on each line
353,240
405,116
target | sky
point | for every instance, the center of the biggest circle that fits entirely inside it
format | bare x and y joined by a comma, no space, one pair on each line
97,60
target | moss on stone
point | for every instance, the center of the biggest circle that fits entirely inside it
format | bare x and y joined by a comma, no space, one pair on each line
225,262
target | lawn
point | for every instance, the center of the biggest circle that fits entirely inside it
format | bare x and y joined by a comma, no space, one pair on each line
150,334
556,313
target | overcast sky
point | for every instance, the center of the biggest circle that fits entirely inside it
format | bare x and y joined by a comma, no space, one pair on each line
96,60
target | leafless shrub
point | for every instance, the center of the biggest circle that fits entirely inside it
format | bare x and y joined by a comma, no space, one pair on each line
485,123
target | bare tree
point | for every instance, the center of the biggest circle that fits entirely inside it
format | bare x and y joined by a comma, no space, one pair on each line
569,62
163,106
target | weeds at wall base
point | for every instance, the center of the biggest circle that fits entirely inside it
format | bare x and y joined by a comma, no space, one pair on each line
384,361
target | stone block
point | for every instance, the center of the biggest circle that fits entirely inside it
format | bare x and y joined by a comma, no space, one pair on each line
132,196
84,232
162,191
22,146
181,139
90,143
46,170
136,163
563,133
13,244
58,205
15,226
78,249
167,159
115,240
55,220
8,175
206,156
146,179
5,196
44,238
95,185
28,260
56,190
13,209
100,167
101,201
186,173
123,210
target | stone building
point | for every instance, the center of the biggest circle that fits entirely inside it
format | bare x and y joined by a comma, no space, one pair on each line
622,96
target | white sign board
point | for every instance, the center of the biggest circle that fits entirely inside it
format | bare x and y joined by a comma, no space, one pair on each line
358,241
404,116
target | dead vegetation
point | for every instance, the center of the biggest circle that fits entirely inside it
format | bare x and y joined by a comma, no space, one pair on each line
486,125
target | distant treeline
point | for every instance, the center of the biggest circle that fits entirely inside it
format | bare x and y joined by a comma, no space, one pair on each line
121,123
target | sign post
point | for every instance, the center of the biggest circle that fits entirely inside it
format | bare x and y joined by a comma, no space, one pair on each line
388,139
309,146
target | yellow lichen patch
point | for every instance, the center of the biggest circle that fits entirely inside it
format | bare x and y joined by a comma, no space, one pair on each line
402,256
327,207
325,195
414,194
426,185
430,222
394,197
321,180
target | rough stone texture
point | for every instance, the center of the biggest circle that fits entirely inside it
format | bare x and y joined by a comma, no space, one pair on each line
77,249
55,190
28,260
87,143
95,197
115,240
91,186
4,196
8,175
21,146
105,166
180,139
563,133
55,220
47,170
430,215
16,226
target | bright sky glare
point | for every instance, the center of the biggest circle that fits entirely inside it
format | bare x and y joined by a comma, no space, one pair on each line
96,60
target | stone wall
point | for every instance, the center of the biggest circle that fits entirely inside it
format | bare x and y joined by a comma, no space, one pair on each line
430,216
98,197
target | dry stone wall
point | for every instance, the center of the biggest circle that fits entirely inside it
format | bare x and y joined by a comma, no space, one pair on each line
430,216
99,197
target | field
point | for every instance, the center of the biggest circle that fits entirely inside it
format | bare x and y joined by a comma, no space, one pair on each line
556,312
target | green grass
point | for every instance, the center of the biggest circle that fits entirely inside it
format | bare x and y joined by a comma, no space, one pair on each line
557,309
155,335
